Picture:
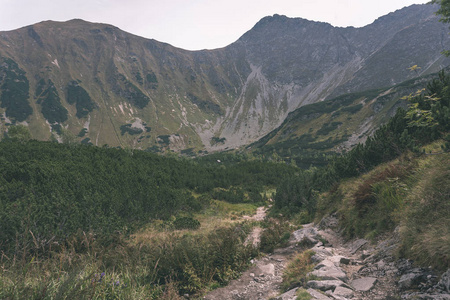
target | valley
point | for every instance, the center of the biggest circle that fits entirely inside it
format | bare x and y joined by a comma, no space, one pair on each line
303,161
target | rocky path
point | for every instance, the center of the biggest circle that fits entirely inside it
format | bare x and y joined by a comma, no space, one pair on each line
263,279
343,270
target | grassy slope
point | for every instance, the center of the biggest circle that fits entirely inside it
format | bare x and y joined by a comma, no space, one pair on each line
411,193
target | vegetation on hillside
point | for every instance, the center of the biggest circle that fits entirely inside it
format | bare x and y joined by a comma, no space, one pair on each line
54,190
68,212
77,95
48,97
393,179
14,90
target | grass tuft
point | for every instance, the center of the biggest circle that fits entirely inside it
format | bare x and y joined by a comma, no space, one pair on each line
295,274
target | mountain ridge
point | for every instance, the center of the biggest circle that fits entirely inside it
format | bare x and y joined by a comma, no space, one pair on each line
152,95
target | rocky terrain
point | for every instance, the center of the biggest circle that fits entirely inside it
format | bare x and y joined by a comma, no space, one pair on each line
354,269
94,83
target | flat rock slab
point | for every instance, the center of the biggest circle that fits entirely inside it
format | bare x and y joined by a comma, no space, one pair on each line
289,295
343,291
321,252
317,295
363,284
330,273
324,285
325,263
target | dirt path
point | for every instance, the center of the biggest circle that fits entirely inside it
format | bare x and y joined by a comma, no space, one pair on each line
263,279
255,235
354,270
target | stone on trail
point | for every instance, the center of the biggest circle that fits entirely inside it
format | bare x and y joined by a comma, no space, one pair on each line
330,273
324,263
268,269
324,285
321,253
343,291
289,295
363,284
307,235
317,295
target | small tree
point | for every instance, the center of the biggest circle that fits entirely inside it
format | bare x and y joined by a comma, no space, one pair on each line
19,133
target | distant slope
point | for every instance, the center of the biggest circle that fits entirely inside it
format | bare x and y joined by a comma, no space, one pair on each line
98,84
312,131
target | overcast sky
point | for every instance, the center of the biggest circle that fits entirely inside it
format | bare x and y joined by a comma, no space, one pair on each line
193,24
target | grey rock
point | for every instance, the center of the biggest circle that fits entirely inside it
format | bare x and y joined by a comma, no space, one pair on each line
324,263
325,285
410,280
336,259
318,295
444,282
356,245
322,252
329,222
268,269
308,235
363,284
344,260
330,273
381,264
343,291
289,295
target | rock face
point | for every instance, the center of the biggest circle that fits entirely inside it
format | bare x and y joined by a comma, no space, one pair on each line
106,80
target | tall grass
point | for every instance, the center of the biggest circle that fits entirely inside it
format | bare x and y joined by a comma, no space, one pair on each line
369,205
160,268
425,223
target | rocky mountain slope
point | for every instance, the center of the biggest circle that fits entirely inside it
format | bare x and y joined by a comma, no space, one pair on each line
98,84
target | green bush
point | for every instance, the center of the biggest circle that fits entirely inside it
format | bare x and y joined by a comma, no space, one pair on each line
186,223
275,234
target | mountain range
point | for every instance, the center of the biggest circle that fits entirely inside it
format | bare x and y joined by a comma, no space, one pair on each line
95,83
